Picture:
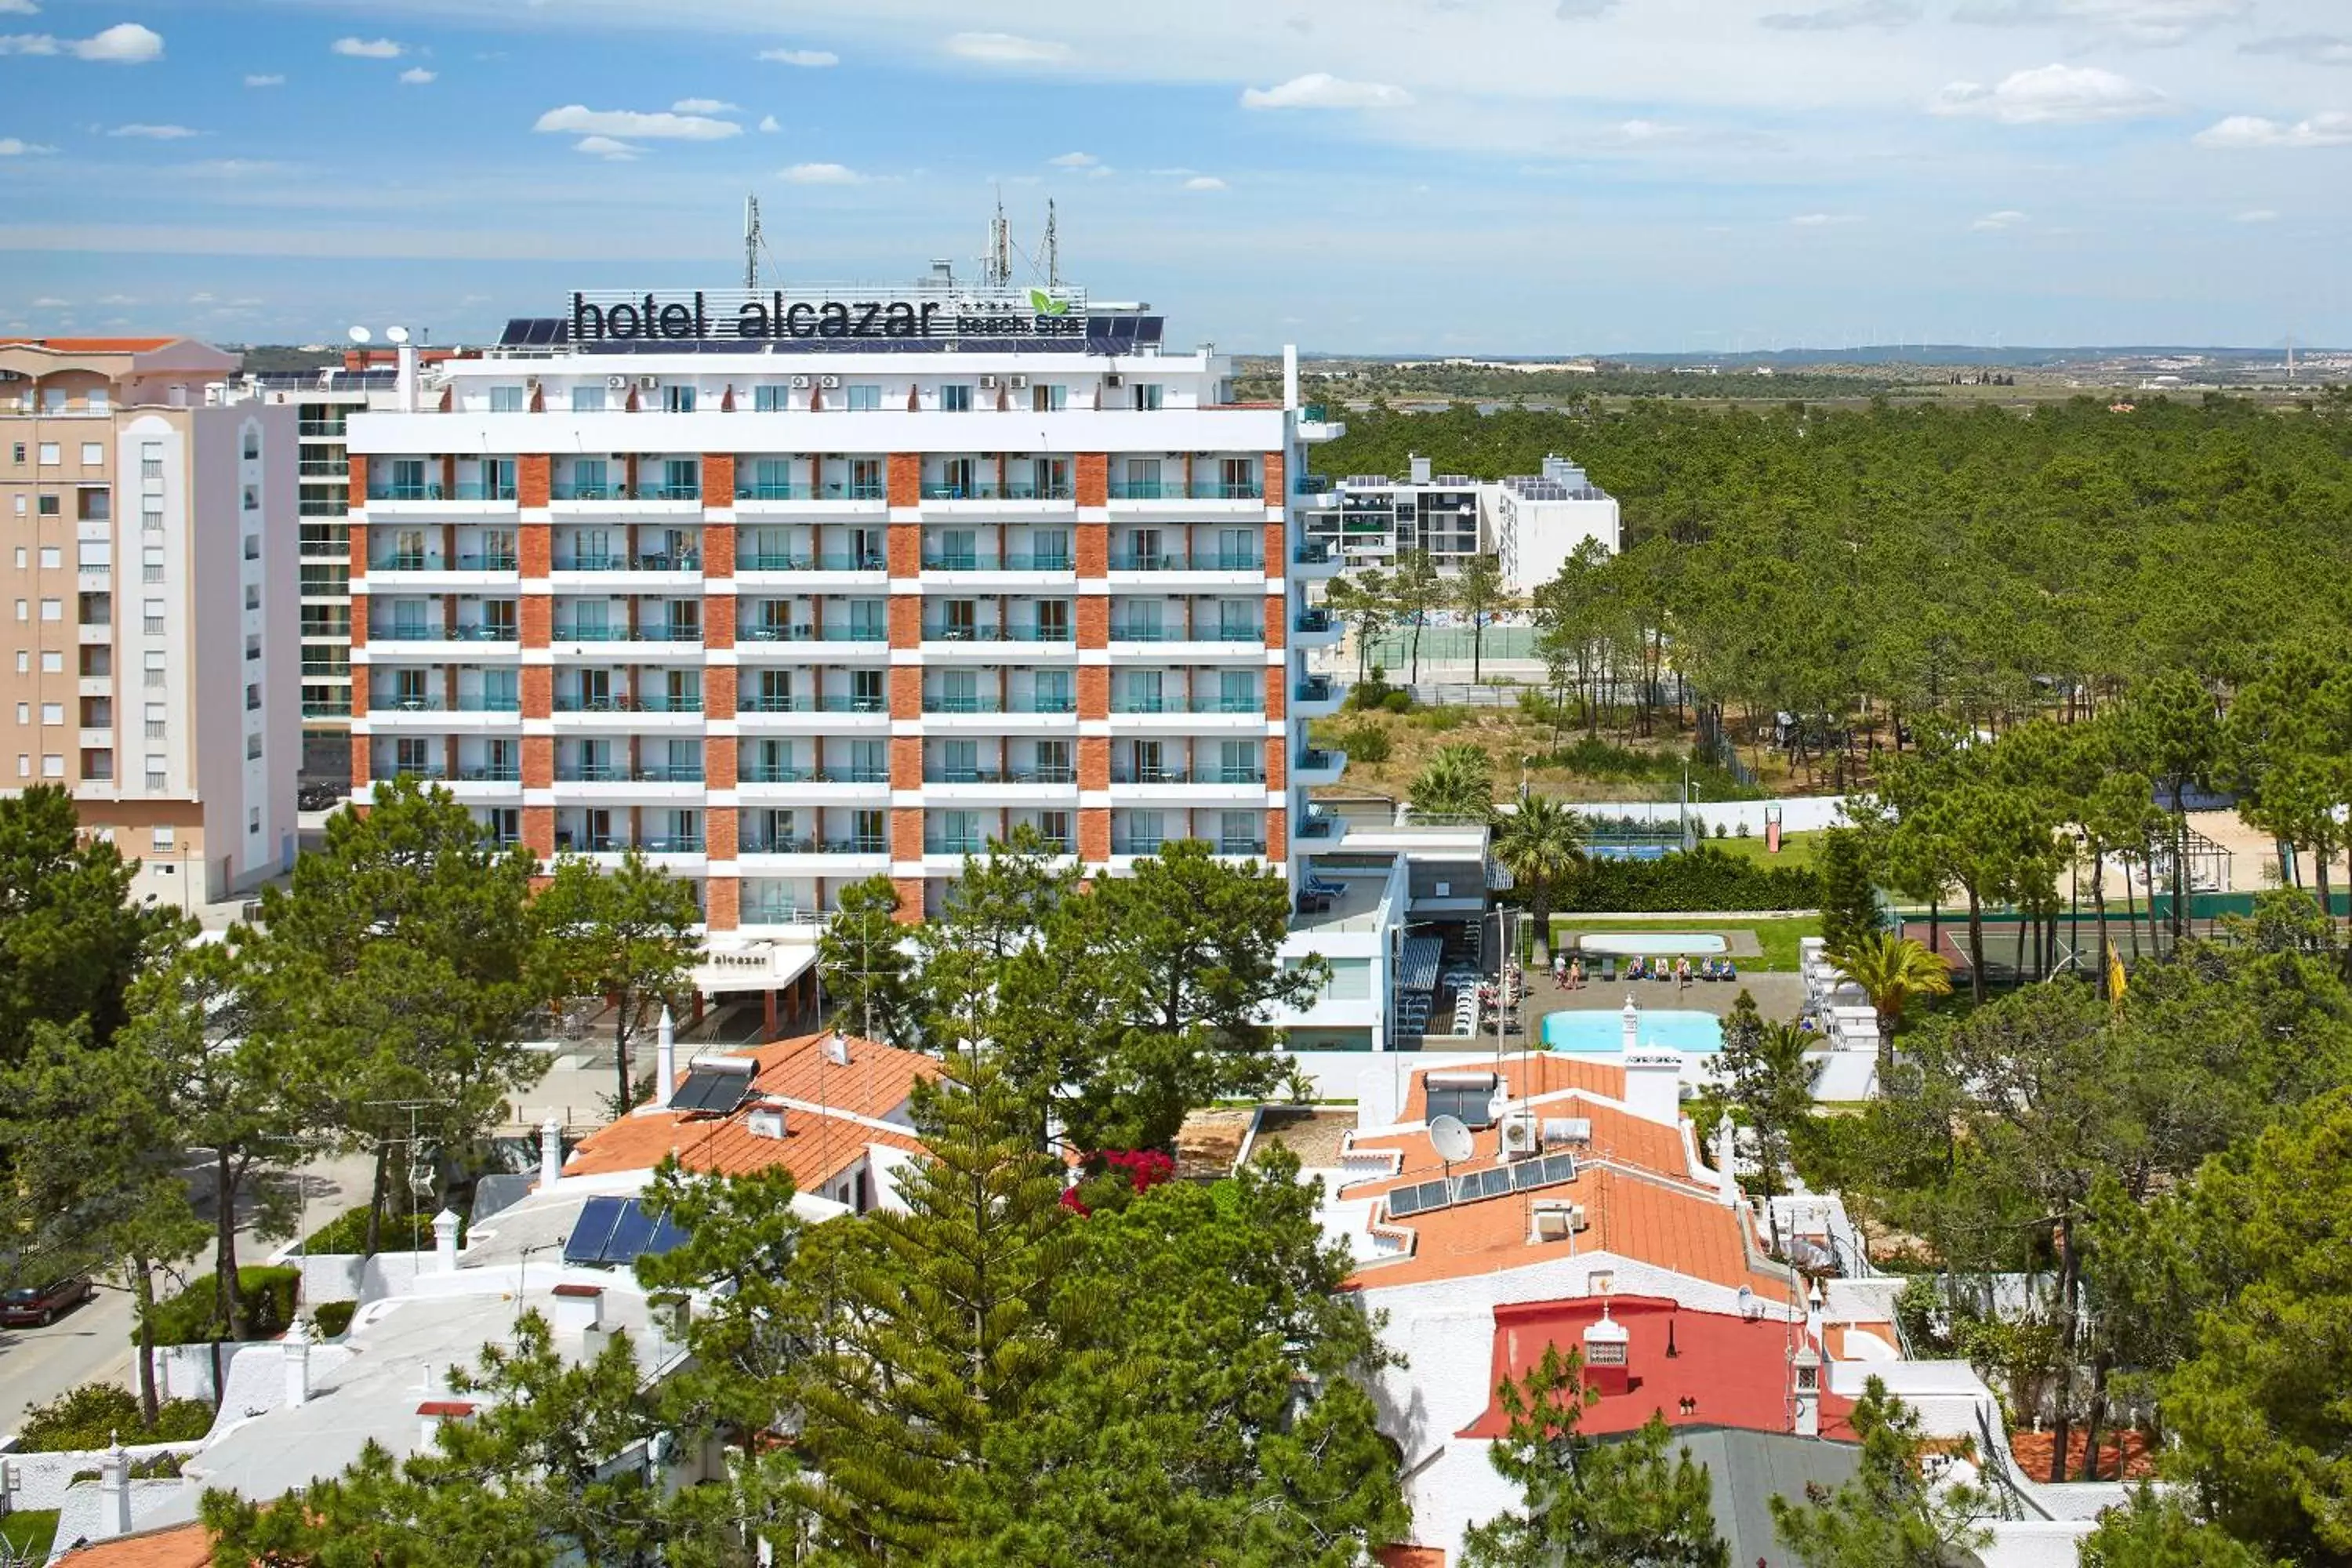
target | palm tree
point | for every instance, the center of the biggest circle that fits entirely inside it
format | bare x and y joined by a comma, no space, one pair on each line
1541,844
1457,781
1892,970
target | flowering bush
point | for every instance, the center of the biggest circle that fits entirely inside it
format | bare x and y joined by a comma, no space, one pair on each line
1114,1175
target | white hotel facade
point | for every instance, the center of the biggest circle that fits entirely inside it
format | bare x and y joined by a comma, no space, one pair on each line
787,613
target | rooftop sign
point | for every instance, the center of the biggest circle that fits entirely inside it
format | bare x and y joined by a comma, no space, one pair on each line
785,315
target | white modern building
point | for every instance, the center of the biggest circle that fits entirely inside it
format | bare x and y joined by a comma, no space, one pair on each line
791,589
1532,523
1538,521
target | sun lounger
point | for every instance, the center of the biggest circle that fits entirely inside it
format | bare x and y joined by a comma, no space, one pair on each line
1608,971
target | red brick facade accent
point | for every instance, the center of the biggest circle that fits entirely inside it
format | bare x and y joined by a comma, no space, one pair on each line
718,478
360,767
359,692
1277,545
1278,692
905,478
1277,615
1277,836
719,685
534,480
719,550
719,756
906,691
906,761
536,691
535,620
1278,492
1091,554
539,830
448,474
907,832
911,897
538,761
1094,479
1093,625
718,621
359,480
1094,833
1094,761
1277,763
906,612
534,548
719,831
359,607
1094,691
722,903
903,552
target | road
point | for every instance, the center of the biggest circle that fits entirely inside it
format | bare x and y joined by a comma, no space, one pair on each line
92,1343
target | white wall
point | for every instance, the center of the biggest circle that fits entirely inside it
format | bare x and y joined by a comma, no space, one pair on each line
1799,814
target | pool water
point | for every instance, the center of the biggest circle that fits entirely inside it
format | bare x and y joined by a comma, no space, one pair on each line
1695,1033
1644,945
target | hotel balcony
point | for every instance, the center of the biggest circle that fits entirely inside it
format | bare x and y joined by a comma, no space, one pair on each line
1315,766
1315,562
1317,696
1316,627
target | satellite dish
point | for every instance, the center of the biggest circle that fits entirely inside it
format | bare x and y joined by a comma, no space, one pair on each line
395,335
361,335
1451,1139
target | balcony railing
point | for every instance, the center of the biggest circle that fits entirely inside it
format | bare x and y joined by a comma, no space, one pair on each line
996,634
1176,703
940,776
490,772
788,773
474,561
669,493
795,491
806,632
1134,562
779,844
991,560
805,703
1241,845
1135,775
628,702
575,633
322,429
778,912
807,561
989,490
1221,489
684,561
1314,620
1145,489
623,772
561,490
1316,554
989,702
327,547
1317,826
1315,759
470,489
466,702
1133,632
1317,688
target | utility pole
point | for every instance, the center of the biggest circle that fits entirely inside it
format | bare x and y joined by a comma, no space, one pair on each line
1053,256
752,242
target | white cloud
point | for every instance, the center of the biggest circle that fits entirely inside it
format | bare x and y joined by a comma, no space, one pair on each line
2311,48
1584,10
11,147
1321,89
1852,14
1075,160
264,81
156,132
767,123
1009,50
579,119
1993,223
231,168
116,300
2248,131
821,174
124,44
369,48
811,59
18,8
416,76
2152,22
47,303
1822,220
607,147
2257,215
1204,183
703,105
2053,94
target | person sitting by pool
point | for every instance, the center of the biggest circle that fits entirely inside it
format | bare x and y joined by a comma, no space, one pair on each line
1731,970
1638,969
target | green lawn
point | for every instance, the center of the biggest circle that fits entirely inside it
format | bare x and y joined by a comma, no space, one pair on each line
1799,849
1777,937
28,1532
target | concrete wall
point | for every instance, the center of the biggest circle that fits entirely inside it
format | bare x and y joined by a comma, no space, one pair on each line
1799,814
42,1478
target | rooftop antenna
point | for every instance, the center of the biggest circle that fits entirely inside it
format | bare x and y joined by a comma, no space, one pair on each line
996,268
751,241
1054,262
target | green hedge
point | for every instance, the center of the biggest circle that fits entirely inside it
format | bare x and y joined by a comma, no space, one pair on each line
266,1292
395,1233
333,1317
1702,878
91,1417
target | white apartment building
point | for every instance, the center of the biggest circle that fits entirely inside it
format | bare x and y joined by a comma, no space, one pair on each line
791,589
1532,524
152,576
1538,521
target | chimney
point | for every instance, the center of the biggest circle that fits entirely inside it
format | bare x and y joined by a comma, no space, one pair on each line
297,1364
433,1412
1419,467
1632,1017
1653,1086
1808,1368
1607,1361
551,1152
579,1307
664,1059
445,1241
114,1491
1726,1184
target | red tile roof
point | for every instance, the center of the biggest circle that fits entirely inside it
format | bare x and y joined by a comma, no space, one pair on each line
1546,1072
1735,1371
93,345
827,1127
175,1546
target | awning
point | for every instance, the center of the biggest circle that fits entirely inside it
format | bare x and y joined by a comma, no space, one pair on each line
1417,963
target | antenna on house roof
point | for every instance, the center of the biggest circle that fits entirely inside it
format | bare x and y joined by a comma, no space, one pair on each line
1053,264
752,240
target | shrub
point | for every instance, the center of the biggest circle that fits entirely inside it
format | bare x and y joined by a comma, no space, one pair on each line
395,1233
1701,878
1397,701
333,1317
1364,742
267,1295
1439,720
156,1467
96,1414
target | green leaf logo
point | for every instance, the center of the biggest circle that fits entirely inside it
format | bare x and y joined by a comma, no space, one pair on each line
1045,304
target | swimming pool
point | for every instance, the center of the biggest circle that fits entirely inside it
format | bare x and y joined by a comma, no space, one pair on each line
1625,944
1695,1033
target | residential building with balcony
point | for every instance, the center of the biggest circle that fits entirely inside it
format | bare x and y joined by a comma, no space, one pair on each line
151,587
1531,524
785,614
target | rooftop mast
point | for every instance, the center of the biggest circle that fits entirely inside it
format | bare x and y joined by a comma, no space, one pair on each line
1053,249
752,242
996,268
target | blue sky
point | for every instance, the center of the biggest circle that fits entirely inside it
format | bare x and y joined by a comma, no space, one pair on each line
1534,176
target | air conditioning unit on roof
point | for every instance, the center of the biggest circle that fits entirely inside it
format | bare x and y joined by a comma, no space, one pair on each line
1018,383
828,382
1114,380
988,384
1518,1133
800,383
617,383
650,383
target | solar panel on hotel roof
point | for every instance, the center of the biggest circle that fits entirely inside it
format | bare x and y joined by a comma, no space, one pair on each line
1488,1182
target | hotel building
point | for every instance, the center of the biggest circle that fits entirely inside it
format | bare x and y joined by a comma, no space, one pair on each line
1531,524
786,610
150,586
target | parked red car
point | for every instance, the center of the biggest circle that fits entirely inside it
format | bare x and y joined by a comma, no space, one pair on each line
43,1304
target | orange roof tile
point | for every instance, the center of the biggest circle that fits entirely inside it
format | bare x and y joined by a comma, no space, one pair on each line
1617,1134
817,1146
1678,1229
1546,1072
175,1546
1410,1557
91,345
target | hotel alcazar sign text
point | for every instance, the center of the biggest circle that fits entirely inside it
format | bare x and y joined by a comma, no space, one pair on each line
652,317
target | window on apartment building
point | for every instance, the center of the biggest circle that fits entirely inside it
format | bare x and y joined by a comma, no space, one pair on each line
253,747
24,662
253,697
24,609
865,398
151,459
955,398
163,840
24,764
252,445
253,820
93,454
97,399
16,452
21,507
253,547
22,561
53,662
157,669
1145,395
678,399
252,595
252,501
53,765
53,712
24,713
53,609
1053,399
52,558
770,400
151,563
50,458
94,505
98,766
150,514
53,400
49,506
157,726
155,617
587,400
507,400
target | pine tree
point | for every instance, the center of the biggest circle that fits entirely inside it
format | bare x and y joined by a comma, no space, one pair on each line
1849,901
1892,1514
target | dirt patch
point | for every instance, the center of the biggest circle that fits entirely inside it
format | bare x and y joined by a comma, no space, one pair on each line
2031,1451
1314,1136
